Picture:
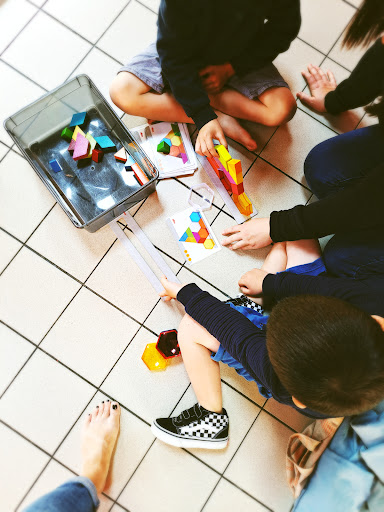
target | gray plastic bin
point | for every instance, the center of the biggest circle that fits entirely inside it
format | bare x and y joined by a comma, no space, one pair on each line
91,194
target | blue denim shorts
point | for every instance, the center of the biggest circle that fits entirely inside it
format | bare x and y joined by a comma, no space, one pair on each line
146,66
314,268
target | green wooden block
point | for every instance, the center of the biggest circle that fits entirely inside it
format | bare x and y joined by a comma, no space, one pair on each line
176,130
189,232
67,134
163,147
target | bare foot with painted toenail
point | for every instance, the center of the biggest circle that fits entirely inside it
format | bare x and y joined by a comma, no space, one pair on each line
99,436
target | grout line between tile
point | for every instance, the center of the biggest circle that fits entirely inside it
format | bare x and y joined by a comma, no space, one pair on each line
23,75
147,7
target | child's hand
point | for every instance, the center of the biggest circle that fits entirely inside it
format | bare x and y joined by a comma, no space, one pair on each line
215,77
170,289
320,84
253,234
251,283
204,144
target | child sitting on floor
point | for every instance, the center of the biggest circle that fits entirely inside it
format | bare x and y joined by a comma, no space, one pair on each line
211,65
320,355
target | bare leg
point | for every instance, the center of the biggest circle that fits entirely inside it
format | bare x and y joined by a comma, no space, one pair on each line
300,252
196,345
99,436
272,108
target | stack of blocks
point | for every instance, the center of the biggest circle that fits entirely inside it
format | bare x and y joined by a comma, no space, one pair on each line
172,144
229,171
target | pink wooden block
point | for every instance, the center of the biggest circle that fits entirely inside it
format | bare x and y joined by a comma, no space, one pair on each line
184,158
72,145
81,147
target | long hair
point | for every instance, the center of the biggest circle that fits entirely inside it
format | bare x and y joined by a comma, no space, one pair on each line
366,25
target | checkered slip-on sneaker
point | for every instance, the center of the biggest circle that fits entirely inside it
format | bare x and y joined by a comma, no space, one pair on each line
243,300
194,428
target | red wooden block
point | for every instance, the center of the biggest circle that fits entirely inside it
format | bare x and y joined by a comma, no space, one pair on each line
227,186
140,175
97,155
81,147
238,189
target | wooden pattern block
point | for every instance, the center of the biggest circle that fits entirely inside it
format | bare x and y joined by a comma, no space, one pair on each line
174,151
121,155
92,144
81,148
76,131
105,142
55,166
67,134
139,174
163,147
72,145
176,129
78,119
97,155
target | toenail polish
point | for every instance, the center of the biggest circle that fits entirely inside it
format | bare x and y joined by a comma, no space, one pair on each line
97,406
102,401
114,406
107,400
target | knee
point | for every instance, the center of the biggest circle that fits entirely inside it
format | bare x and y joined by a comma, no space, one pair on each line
281,110
122,92
314,167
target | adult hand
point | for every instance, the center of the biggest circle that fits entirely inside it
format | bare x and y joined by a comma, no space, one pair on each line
204,144
215,77
320,84
253,234
170,289
251,283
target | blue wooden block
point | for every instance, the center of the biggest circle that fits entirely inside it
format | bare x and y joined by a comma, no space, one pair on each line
105,142
195,216
130,161
184,237
78,119
55,166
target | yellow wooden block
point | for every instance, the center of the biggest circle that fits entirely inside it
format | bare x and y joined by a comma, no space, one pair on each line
235,170
76,131
92,144
176,141
243,204
209,243
224,156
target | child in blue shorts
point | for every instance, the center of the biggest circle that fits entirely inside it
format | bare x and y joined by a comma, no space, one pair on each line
320,355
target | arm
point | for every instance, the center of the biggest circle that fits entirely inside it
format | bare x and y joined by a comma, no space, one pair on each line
275,37
356,207
363,294
175,45
365,83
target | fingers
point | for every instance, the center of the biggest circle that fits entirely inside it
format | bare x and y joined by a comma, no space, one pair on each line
211,151
232,239
331,78
314,70
223,141
310,79
238,245
305,98
233,229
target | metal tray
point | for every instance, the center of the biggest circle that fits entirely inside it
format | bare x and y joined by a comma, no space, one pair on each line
91,194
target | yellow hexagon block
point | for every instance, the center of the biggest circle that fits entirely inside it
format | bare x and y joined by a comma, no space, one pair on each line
176,141
209,243
153,359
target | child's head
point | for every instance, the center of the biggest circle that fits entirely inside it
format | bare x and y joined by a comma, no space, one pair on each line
327,353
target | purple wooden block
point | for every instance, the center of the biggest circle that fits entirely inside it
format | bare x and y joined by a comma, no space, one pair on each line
184,158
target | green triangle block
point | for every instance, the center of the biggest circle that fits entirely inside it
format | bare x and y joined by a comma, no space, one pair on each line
163,147
189,232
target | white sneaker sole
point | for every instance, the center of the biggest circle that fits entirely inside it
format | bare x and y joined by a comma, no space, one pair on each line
182,442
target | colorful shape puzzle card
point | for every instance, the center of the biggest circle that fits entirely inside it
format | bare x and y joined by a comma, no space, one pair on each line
193,234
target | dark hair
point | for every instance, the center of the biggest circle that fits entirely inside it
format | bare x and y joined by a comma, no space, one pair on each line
366,25
327,353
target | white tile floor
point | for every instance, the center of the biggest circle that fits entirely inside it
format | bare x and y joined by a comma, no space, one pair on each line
76,313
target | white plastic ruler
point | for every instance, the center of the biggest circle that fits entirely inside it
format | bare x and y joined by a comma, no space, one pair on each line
149,247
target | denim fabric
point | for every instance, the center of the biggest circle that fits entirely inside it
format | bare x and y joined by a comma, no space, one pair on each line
333,165
76,495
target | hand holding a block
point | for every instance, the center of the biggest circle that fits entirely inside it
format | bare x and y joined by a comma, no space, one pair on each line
204,143
253,234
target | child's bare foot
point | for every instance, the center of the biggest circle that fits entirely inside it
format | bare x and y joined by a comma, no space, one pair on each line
99,436
233,129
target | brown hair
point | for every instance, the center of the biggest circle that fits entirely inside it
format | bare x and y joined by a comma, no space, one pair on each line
366,25
327,353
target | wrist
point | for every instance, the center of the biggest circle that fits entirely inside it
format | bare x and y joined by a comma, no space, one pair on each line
229,71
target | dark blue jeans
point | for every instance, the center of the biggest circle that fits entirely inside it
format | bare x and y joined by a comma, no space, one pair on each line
77,495
333,165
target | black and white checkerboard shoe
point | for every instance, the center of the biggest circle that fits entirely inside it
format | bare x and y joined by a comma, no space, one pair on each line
194,428
243,300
